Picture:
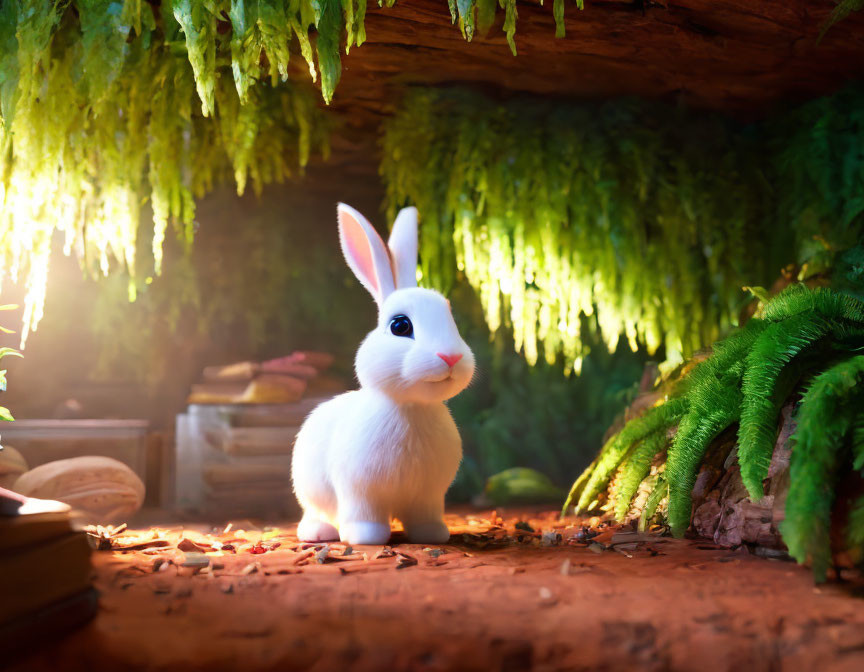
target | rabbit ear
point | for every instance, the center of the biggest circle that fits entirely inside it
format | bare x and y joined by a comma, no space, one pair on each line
365,253
403,248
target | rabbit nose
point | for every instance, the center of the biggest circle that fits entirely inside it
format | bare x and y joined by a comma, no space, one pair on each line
450,360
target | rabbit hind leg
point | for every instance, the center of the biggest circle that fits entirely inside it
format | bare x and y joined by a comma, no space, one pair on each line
424,522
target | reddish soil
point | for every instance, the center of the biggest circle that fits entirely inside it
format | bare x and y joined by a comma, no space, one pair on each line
497,598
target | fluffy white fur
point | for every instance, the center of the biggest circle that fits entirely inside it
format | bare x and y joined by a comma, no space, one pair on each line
391,448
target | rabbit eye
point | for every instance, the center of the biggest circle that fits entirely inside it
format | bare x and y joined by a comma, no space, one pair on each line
401,326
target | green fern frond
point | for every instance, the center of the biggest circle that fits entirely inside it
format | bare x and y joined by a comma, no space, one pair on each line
636,468
855,529
827,414
660,491
714,397
778,344
799,318
657,419
799,298
747,379
696,431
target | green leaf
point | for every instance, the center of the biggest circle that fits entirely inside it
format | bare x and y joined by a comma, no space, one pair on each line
197,18
300,28
328,23
104,35
636,468
466,17
824,421
485,14
9,69
759,293
558,14
510,16
653,421
139,15
773,351
275,34
5,415
661,490
245,46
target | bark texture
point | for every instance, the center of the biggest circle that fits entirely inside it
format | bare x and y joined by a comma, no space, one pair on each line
745,57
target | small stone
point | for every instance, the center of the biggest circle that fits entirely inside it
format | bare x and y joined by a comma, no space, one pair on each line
195,560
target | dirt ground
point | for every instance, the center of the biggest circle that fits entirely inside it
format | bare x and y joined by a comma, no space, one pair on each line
524,592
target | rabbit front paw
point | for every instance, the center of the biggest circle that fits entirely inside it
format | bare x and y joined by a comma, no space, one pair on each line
364,532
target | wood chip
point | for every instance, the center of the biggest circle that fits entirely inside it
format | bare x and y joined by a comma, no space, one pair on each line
304,557
251,568
405,560
186,544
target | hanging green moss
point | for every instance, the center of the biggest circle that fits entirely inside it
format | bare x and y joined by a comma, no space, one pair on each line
108,105
800,335
555,211
644,217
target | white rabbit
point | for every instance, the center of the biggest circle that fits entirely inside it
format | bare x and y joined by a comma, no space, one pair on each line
391,448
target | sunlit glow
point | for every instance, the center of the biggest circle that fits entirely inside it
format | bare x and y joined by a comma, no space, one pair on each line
88,137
